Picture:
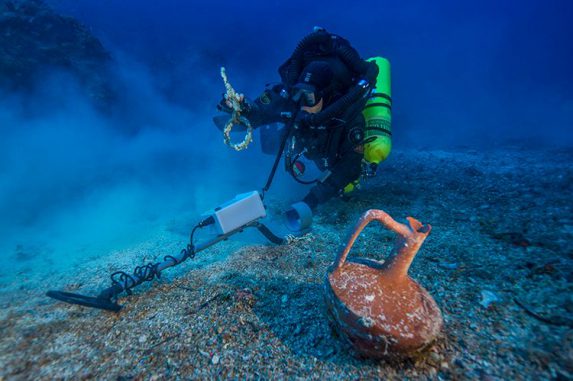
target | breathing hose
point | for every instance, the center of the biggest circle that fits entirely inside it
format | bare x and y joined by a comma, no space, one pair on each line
297,57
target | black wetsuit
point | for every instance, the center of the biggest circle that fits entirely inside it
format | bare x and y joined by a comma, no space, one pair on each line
332,138
333,145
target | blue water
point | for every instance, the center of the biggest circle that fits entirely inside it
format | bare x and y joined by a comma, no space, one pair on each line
72,180
463,73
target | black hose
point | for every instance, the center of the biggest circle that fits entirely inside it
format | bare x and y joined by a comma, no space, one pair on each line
337,107
270,235
369,71
297,57
350,57
284,139
289,167
347,54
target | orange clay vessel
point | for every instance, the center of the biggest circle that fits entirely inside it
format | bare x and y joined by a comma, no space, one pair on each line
377,306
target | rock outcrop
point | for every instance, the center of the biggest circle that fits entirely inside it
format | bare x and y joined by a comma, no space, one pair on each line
35,41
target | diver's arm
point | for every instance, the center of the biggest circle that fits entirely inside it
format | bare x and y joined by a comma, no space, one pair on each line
268,107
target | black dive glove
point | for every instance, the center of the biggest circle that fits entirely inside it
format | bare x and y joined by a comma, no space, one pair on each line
223,105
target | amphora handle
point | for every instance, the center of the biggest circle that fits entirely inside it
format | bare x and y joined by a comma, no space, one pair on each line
412,238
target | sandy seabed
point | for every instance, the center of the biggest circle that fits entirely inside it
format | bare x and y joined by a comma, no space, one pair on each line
499,262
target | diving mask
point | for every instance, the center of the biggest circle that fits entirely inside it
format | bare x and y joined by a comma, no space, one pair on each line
305,95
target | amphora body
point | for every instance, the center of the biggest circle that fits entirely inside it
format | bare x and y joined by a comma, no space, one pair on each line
377,306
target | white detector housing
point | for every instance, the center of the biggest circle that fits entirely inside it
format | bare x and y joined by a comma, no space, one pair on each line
244,208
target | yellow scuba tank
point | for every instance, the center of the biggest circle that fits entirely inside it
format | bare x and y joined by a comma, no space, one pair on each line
378,115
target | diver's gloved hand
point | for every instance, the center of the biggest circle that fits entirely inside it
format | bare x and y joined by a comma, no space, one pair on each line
225,104
246,106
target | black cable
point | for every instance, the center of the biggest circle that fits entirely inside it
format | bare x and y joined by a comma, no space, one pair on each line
286,135
290,170
122,281
150,271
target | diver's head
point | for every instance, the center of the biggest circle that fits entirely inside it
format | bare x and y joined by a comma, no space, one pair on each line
310,88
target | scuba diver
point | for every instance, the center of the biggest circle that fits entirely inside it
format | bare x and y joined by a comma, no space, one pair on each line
324,88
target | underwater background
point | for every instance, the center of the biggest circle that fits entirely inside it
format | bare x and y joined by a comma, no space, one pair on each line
476,75
108,152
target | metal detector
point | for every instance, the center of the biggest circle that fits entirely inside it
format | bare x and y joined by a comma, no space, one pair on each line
242,212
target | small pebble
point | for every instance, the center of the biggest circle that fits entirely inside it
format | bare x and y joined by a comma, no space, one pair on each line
215,359
487,298
486,377
434,358
448,266
297,329
568,305
206,354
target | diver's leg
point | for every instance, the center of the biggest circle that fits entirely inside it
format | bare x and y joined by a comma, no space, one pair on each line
348,169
